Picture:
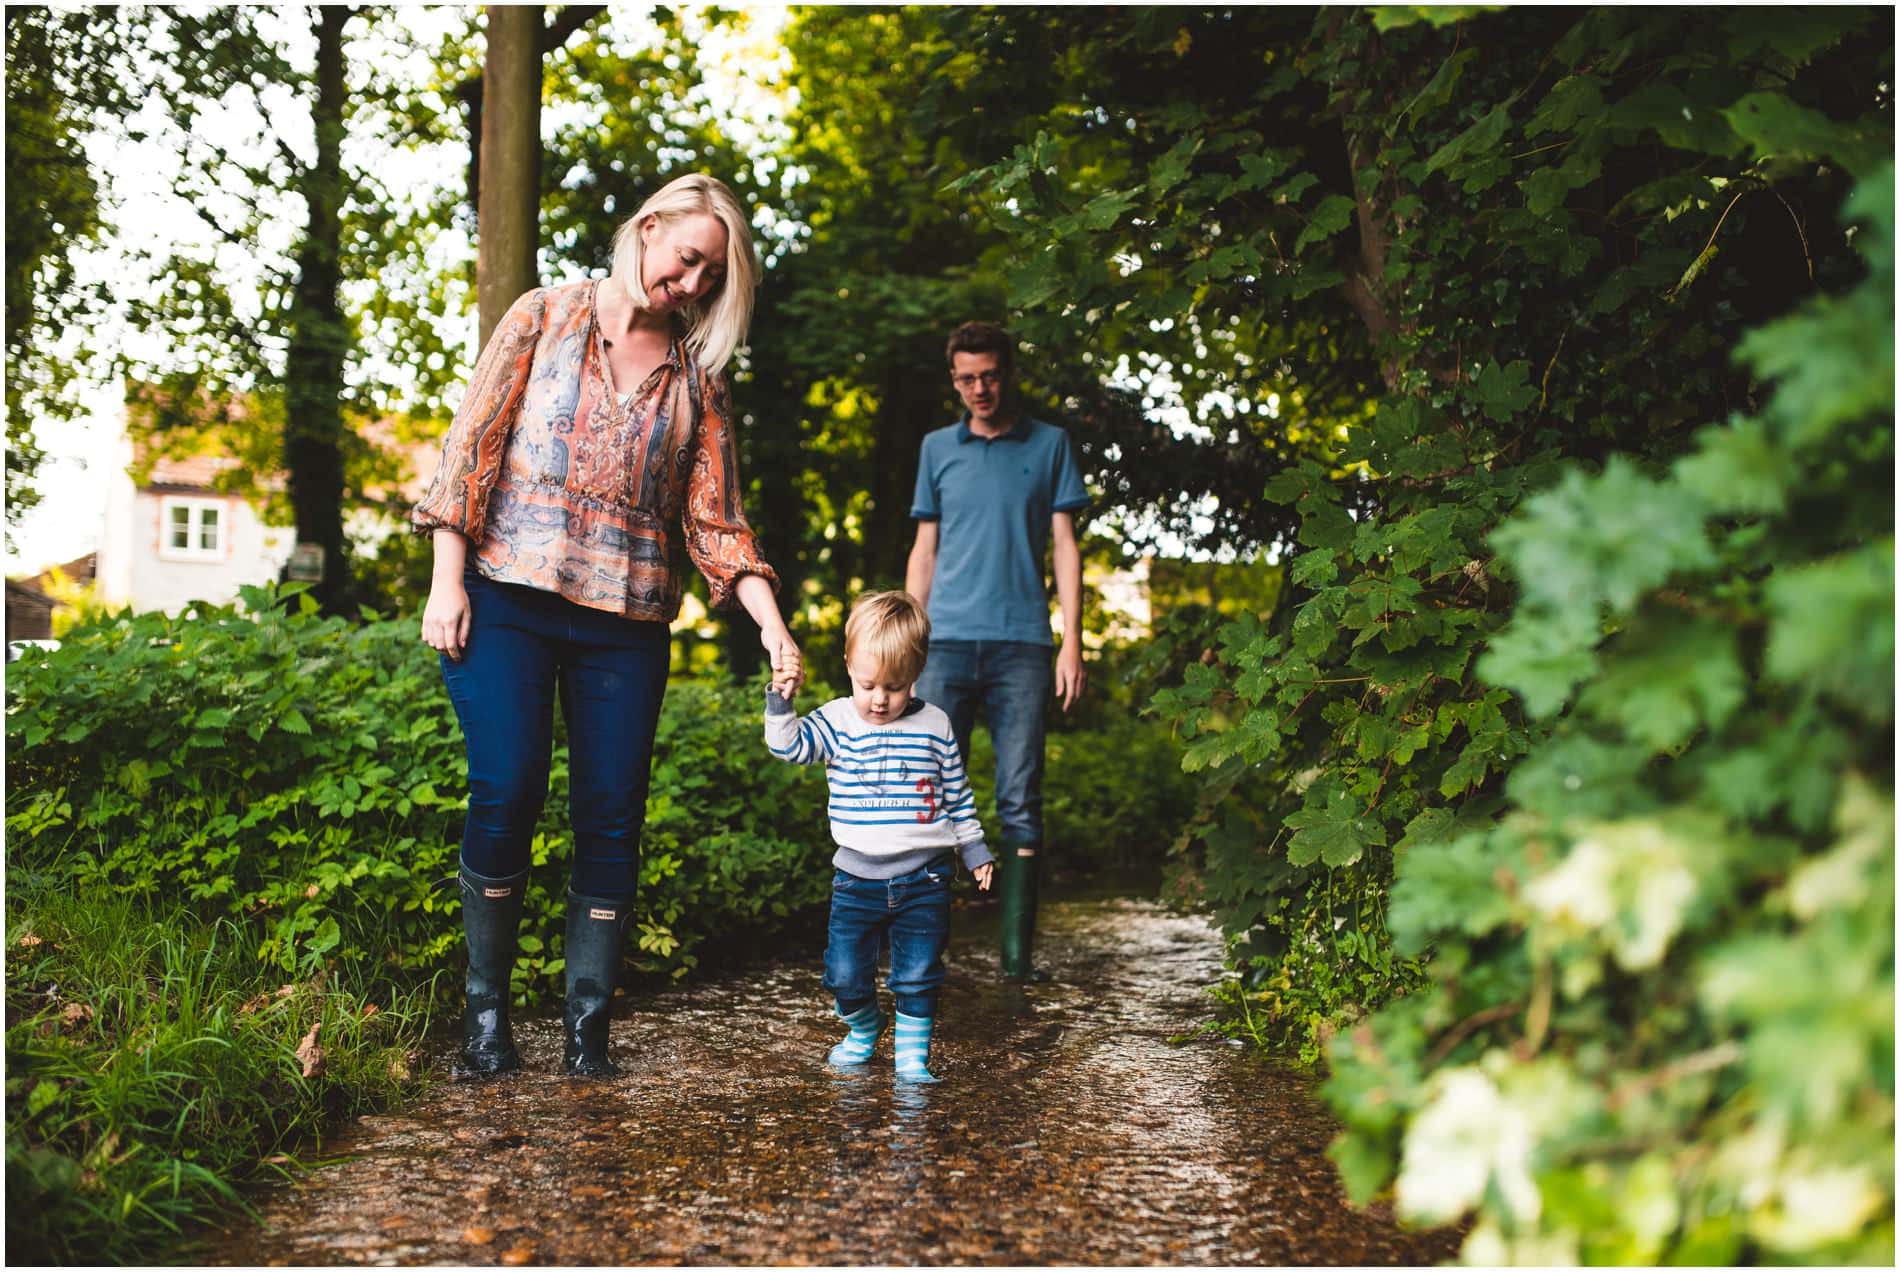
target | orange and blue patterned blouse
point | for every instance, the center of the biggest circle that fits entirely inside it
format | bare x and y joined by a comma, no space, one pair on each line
558,485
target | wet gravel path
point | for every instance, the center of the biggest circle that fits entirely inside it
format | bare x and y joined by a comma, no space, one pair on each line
1067,1129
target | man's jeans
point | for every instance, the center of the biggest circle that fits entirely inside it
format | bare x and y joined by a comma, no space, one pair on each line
913,910
525,646
1010,679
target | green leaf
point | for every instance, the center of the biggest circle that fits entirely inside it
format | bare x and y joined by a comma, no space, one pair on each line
1333,214
1452,887
1778,127
292,721
1540,659
1391,17
1106,211
1365,1164
1259,171
1501,392
1670,679
1832,628
1171,169
1736,469
1602,540
1337,833
1438,90
324,939
1481,138
1315,567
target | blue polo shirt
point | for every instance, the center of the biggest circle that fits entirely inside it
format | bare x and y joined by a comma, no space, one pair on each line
992,499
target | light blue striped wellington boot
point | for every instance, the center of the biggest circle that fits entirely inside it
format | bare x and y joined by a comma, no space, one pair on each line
913,1048
866,1023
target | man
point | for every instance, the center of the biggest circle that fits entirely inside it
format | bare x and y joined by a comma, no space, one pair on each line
993,490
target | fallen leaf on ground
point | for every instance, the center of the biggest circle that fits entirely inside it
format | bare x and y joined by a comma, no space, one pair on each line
76,1014
478,1236
520,1256
29,940
264,999
310,1053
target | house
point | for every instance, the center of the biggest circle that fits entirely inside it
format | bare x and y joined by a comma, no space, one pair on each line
177,538
29,612
180,533
31,603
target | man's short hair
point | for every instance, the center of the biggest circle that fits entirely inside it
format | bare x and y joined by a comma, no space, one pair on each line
982,337
892,631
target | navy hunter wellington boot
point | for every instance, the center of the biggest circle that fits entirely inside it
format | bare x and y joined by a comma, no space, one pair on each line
595,930
491,920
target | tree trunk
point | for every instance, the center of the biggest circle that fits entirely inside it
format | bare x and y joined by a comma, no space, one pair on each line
319,336
910,404
508,202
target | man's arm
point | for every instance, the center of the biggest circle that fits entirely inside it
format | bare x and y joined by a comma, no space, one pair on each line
923,563
1070,677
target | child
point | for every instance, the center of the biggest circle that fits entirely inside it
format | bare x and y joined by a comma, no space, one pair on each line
900,807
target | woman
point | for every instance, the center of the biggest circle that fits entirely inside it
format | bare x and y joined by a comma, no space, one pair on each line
594,443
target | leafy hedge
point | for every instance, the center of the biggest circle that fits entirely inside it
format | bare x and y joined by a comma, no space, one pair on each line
305,775
1620,769
1660,1023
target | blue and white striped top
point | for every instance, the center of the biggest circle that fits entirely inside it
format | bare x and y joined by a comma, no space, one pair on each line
899,795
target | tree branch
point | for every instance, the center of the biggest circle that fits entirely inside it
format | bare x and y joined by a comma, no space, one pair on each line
570,19
1468,1026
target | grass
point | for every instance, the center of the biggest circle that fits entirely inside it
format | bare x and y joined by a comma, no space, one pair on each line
154,1065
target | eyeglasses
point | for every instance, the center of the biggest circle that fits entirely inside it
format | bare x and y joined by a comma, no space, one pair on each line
989,380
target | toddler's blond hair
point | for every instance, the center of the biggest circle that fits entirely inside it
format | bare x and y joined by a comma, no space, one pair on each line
893,633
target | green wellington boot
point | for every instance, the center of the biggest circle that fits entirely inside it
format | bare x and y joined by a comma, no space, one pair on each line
596,929
1018,868
491,921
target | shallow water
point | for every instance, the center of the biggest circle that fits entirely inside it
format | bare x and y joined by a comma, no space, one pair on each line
1067,1129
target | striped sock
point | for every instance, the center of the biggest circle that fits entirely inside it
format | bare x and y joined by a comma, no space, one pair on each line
866,1024
913,1048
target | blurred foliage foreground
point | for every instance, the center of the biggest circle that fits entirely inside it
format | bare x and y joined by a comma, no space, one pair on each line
227,832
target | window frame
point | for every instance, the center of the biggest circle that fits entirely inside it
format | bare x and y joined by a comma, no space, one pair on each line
196,508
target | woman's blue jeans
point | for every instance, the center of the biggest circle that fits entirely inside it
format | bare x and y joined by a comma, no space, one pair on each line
525,648
912,911
1010,680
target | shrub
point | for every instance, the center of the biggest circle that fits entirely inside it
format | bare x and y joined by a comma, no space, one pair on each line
1660,1020
305,775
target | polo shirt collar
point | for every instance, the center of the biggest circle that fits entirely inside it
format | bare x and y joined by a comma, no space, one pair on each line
1018,430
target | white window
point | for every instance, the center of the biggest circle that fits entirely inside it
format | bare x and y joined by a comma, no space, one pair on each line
191,529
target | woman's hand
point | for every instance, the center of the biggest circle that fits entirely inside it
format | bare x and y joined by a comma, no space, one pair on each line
445,618
788,665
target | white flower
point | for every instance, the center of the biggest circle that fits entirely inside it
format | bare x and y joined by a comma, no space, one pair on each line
1626,884
1467,1136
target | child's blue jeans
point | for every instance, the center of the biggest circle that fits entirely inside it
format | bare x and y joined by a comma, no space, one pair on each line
913,912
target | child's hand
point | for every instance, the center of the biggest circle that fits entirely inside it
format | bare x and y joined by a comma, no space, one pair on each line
983,874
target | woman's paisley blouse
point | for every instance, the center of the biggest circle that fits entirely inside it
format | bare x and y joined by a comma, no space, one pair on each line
557,486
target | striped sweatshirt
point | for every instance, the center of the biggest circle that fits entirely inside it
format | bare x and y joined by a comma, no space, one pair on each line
899,796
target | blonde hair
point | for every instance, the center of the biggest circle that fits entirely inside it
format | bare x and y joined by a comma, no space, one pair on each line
715,330
894,633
